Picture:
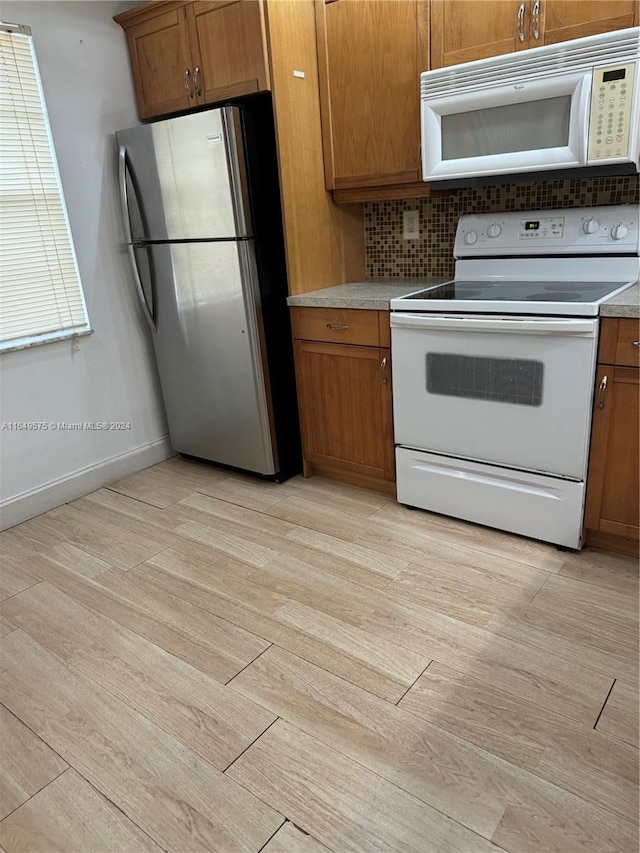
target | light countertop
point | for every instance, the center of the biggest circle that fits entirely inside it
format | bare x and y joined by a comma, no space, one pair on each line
375,295
372,295
625,304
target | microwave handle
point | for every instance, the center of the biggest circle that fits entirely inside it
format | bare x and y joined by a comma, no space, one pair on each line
584,109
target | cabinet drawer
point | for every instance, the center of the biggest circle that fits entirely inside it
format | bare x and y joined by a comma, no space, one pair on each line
336,325
628,344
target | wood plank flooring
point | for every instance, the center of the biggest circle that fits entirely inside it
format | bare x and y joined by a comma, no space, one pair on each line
70,815
196,660
27,765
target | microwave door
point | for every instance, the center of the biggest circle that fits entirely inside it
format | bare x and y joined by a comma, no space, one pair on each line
522,127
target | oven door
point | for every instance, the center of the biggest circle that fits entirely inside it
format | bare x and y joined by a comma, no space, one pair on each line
512,391
527,127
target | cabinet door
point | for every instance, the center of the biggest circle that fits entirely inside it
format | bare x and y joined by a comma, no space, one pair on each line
562,20
229,45
612,497
345,408
161,64
462,30
370,55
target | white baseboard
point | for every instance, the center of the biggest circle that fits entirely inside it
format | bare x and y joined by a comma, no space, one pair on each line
46,497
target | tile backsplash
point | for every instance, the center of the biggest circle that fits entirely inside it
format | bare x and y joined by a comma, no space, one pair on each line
387,254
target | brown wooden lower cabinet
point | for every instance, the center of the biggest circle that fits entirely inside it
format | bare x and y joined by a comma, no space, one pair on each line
344,394
612,511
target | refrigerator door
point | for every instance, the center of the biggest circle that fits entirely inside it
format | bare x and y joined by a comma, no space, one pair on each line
210,353
188,177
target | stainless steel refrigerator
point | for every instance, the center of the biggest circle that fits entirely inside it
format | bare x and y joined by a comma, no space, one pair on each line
202,222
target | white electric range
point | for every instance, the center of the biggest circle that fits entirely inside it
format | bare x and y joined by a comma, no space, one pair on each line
494,371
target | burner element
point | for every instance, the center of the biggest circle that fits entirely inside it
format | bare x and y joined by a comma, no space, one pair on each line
555,296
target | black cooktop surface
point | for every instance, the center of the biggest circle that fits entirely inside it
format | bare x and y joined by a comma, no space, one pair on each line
520,291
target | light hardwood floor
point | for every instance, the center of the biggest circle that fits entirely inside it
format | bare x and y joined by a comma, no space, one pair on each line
193,660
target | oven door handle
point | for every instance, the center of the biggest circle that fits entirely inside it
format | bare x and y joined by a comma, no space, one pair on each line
550,326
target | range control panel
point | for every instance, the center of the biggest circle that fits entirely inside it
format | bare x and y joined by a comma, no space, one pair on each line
541,228
578,231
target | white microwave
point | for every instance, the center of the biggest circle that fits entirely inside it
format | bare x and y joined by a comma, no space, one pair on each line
564,106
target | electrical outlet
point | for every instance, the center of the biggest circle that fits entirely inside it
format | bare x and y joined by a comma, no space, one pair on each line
411,224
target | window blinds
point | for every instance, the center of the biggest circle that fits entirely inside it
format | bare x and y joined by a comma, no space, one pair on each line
41,294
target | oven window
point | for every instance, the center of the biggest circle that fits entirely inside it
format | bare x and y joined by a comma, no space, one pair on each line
501,380
528,126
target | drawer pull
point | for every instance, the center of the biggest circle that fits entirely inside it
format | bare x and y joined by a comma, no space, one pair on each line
601,392
337,327
636,343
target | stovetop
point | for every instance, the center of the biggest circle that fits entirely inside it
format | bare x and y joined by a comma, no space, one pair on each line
562,298
521,291
555,262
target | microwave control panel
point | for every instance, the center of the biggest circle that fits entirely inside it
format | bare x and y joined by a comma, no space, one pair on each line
609,125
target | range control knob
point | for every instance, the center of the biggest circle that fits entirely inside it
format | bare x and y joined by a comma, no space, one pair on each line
591,225
494,230
619,231
470,238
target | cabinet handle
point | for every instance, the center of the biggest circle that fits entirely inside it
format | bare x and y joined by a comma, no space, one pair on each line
196,80
337,327
601,392
521,22
635,343
535,19
187,85
383,370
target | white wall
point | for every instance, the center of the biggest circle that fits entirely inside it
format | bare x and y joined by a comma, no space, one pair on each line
87,84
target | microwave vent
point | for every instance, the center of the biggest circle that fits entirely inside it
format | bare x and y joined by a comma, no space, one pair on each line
610,48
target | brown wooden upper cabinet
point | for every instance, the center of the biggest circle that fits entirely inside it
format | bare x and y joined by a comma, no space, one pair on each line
462,31
562,20
184,55
160,62
230,47
370,55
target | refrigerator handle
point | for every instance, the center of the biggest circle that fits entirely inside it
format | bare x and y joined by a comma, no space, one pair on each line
233,137
124,205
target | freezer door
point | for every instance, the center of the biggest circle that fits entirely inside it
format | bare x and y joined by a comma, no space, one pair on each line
189,177
210,353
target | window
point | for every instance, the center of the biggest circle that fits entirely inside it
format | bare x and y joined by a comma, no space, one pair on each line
500,380
41,296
